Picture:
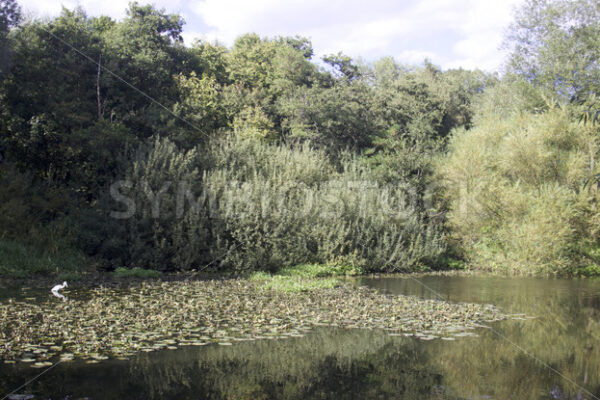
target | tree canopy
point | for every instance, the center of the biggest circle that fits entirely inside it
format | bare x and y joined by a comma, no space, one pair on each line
277,142
556,44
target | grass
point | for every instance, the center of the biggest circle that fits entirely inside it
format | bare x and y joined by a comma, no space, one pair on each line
20,261
292,284
319,270
303,278
137,273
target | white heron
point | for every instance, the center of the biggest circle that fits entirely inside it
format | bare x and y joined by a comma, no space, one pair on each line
55,291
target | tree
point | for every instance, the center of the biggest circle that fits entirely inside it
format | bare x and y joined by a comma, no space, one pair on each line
38,119
67,129
146,50
262,72
201,105
337,118
250,61
555,44
265,63
211,60
343,66
10,16
298,43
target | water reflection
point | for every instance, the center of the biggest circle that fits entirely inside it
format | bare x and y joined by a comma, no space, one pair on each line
365,364
329,363
564,335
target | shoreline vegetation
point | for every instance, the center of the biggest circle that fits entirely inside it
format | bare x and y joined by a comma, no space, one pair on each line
304,277
263,158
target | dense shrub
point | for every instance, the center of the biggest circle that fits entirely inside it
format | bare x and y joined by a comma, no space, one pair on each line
521,192
257,206
154,232
271,220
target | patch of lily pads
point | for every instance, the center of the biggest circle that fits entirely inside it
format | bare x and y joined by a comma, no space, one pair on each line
118,323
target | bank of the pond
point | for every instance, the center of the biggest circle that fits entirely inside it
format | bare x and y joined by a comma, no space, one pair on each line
153,315
296,278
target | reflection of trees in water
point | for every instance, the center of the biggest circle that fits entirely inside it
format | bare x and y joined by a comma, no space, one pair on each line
564,335
327,363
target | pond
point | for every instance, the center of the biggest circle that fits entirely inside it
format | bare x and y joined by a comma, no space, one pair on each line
509,361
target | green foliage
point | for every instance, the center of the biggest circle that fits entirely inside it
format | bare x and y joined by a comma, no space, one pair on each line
157,234
514,95
343,66
10,16
332,118
261,158
592,270
36,215
265,63
262,207
456,264
250,158
19,261
385,102
73,128
319,270
137,273
291,213
145,48
24,203
555,44
200,105
410,103
252,122
516,192
211,60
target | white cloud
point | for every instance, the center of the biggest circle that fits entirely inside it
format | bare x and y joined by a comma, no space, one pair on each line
472,28
417,57
482,35
112,8
45,8
451,33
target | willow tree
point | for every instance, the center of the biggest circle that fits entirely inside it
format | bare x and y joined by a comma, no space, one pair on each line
556,44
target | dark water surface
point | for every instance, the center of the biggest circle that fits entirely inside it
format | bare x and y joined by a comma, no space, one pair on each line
334,363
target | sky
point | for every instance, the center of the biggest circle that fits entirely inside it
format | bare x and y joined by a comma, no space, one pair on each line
450,33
